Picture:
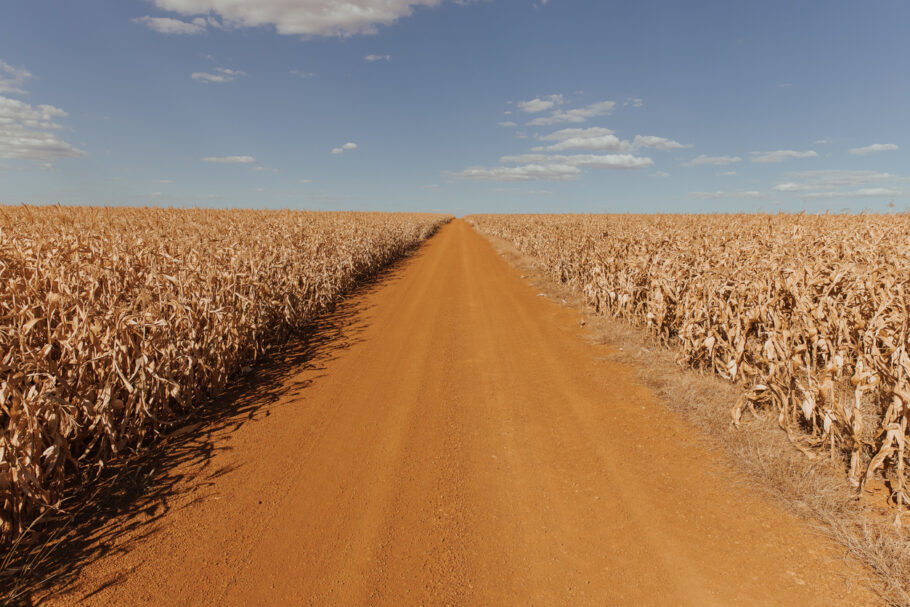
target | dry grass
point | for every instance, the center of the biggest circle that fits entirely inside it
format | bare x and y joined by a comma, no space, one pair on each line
114,322
814,489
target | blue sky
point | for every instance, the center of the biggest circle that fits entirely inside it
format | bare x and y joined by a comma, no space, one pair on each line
471,106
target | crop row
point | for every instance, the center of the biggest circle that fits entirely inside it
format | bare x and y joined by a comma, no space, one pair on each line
114,322
811,314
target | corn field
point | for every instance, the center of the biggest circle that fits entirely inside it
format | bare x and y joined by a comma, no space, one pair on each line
808,313
115,321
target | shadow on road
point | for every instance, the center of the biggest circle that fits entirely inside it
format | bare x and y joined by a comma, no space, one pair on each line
130,497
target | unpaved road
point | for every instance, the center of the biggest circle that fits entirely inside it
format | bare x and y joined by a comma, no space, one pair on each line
459,442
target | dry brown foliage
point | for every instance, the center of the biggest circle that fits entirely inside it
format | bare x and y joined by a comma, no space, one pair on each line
808,313
115,321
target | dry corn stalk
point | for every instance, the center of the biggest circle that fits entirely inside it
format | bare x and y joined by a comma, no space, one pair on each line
809,313
114,321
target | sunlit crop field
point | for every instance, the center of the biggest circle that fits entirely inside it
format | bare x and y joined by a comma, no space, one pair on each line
811,314
114,321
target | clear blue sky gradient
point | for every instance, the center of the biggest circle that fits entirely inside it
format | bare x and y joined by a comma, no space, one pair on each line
729,79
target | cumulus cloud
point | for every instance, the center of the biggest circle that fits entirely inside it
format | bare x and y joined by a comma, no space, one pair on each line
792,187
557,116
167,25
222,74
524,192
26,131
230,159
861,193
740,195
838,184
594,138
875,147
540,105
589,161
602,139
300,17
374,58
841,178
507,123
345,148
658,143
780,155
552,167
528,172
12,79
712,160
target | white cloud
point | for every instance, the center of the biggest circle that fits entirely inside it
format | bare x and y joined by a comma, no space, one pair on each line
346,147
727,174
528,172
534,167
861,193
304,181
576,133
300,17
838,178
780,155
658,143
524,192
374,58
302,74
540,105
661,174
167,25
634,102
26,132
599,138
725,195
588,161
712,160
594,138
507,123
230,159
601,108
831,184
875,147
12,79
792,187
222,74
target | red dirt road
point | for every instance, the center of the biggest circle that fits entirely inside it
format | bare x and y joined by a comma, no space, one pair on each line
461,443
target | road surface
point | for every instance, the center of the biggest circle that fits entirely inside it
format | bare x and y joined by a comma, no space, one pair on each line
456,441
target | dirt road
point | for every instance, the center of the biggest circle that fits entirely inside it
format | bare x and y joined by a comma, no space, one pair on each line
458,442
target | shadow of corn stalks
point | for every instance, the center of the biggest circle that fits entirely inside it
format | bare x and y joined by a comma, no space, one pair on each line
126,501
